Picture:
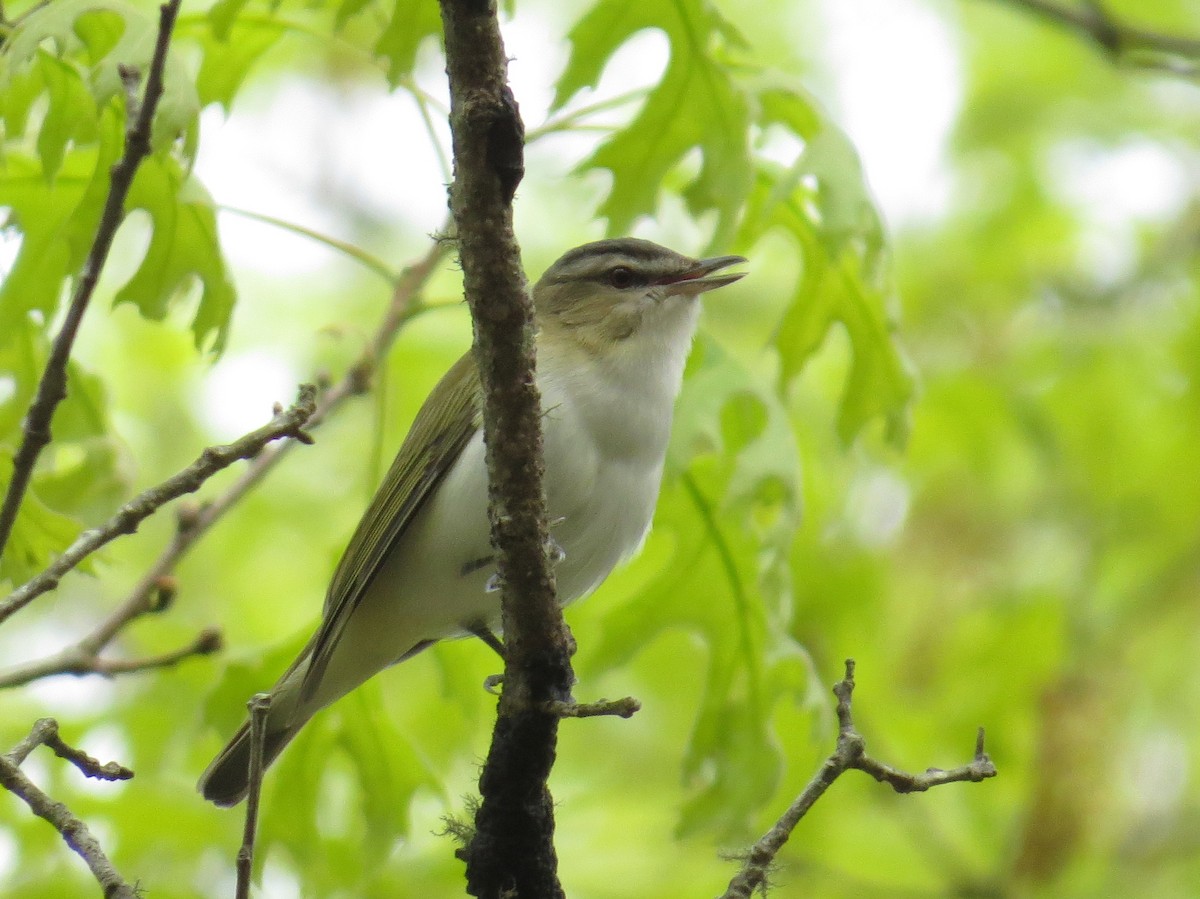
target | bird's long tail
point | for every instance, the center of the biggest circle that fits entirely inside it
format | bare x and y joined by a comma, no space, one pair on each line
226,780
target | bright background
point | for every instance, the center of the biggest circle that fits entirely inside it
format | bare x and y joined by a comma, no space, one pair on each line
1029,560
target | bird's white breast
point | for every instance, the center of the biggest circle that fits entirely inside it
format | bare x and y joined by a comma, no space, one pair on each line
605,423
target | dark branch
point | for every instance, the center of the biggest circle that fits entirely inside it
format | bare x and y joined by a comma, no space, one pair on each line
286,423
850,753
512,851
1122,42
73,830
52,388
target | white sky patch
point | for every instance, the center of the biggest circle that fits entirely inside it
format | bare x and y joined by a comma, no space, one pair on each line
1136,182
10,245
1114,190
897,91
285,153
241,388
877,507
9,855
1157,775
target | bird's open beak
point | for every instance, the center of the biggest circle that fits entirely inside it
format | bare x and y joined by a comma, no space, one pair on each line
696,281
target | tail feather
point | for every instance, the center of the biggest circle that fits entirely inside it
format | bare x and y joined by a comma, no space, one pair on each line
227,780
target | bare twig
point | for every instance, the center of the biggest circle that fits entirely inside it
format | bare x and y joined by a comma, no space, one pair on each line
1122,42
850,753
78,659
286,423
52,388
620,708
73,830
260,706
45,733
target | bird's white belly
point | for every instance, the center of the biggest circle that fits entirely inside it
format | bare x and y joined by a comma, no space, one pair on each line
600,504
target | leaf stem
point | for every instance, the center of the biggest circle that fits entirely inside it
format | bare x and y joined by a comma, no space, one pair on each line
358,254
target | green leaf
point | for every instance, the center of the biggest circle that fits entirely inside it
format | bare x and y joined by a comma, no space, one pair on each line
228,60
410,23
696,105
822,203
70,116
223,14
83,471
347,10
38,535
183,245
80,475
880,381
86,28
57,222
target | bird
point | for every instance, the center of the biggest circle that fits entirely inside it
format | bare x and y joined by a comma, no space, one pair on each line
614,320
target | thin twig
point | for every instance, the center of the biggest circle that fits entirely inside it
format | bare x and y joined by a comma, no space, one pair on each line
79,661
52,388
260,706
372,263
1122,42
619,708
73,830
286,423
850,753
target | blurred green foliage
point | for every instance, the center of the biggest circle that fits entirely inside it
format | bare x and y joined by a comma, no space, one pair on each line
1028,560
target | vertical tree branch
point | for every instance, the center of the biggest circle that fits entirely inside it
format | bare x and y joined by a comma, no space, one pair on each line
52,388
259,705
512,852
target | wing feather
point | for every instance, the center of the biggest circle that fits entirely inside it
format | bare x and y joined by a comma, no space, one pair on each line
445,424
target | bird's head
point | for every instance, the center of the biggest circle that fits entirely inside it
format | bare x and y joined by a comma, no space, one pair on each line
602,294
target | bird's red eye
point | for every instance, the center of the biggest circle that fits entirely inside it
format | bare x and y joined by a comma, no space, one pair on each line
621,277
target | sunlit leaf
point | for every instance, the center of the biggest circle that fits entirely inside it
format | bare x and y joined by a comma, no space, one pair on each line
184,246
38,535
697,104
90,26
409,24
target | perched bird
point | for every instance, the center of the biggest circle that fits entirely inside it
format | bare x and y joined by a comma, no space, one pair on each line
615,320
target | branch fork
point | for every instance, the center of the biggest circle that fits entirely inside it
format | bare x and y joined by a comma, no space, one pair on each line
851,752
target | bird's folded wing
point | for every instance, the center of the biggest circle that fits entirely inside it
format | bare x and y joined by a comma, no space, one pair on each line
449,418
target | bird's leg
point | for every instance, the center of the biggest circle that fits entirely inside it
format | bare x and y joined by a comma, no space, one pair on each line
554,549
487,635
474,565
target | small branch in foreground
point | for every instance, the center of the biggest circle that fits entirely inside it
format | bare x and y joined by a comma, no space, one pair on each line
84,657
286,423
52,388
73,830
620,708
260,706
1123,43
850,753
45,733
